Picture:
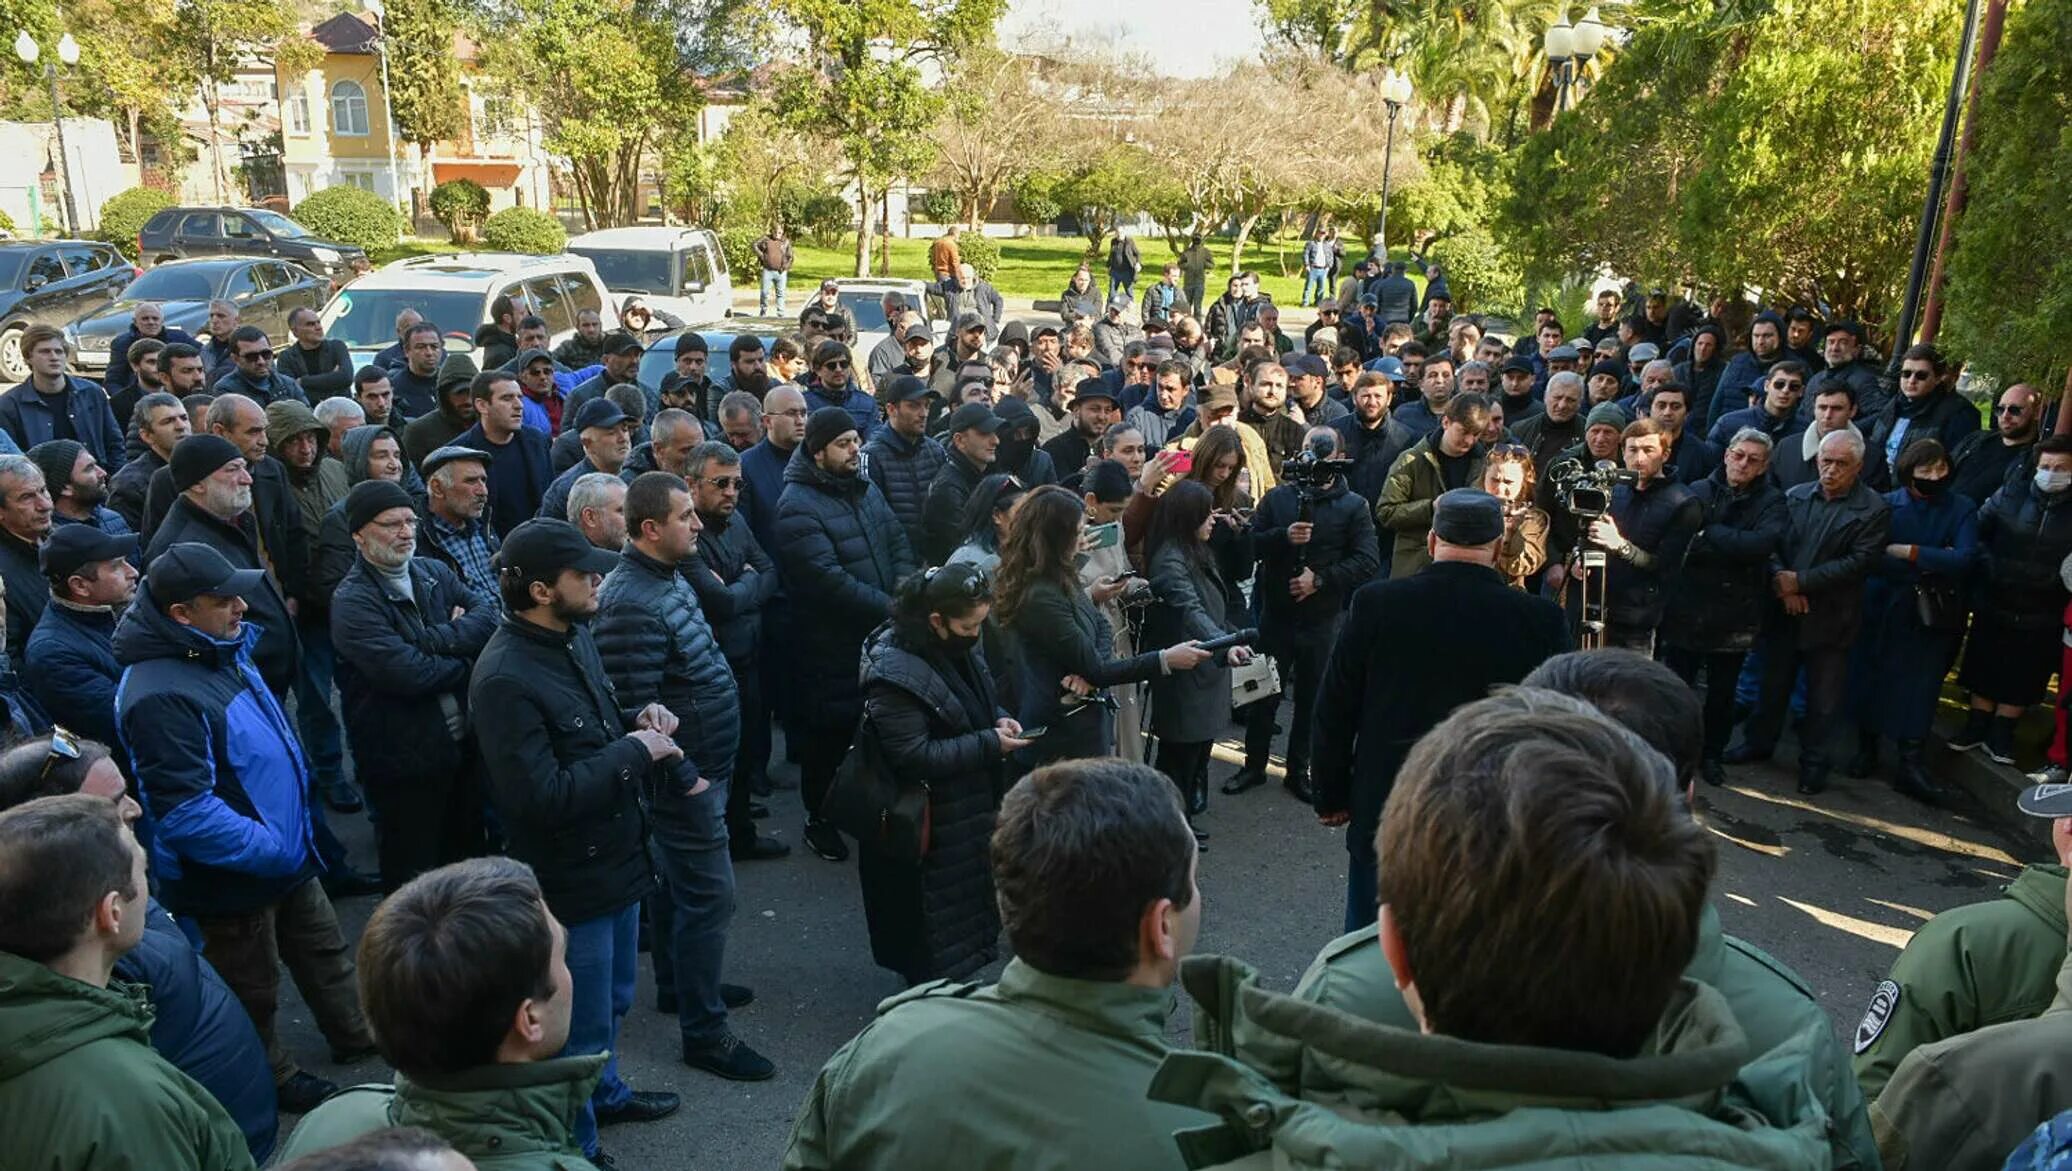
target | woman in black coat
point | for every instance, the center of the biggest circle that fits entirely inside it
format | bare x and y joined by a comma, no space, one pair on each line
2024,535
1187,710
928,701
1062,645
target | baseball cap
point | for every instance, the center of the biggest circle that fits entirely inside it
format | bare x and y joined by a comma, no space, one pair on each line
1392,367
1516,364
970,321
189,569
599,412
2046,801
975,417
1564,353
830,285
529,357
621,343
541,548
73,547
906,389
1119,301
1307,364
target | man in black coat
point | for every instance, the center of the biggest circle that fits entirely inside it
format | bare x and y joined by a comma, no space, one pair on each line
1316,545
1926,407
1411,650
1371,436
900,458
567,766
843,553
1643,536
321,366
407,632
1987,459
974,441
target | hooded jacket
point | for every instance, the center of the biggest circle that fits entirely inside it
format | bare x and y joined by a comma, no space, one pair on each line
335,551
942,511
1415,1100
436,428
502,1117
316,490
217,763
277,651
69,665
82,1089
658,648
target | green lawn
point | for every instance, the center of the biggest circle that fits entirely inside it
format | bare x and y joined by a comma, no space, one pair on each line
1037,267
410,246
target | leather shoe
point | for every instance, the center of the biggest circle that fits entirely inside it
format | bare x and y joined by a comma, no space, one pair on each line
825,840
1713,770
1746,753
347,883
730,1058
760,848
1297,785
1246,778
1812,780
303,1092
643,1106
343,796
736,995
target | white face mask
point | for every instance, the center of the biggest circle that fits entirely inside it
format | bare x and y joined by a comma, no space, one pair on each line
2050,481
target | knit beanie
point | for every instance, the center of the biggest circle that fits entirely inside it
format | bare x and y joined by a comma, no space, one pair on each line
1608,414
825,426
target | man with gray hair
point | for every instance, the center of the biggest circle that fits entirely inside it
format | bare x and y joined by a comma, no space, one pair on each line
25,523
888,357
339,415
1836,533
455,528
670,441
217,353
597,505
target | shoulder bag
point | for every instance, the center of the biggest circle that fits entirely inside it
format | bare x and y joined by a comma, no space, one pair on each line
881,811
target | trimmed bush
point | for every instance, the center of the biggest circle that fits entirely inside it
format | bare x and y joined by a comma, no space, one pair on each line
123,216
461,205
942,207
826,219
523,229
737,244
6,223
982,253
351,215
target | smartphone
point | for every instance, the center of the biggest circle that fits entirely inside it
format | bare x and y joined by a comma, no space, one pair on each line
1183,464
1105,536
1032,733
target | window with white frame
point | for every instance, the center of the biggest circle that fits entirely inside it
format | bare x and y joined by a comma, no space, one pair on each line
297,106
349,108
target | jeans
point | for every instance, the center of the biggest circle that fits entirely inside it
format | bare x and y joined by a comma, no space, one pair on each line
602,958
322,740
752,758
692,907
1195,290
1316,285
772,279
302,931
1722,671
1302,672
1121,282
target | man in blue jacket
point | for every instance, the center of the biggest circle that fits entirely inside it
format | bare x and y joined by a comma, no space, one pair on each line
146,320
196,1024
69,661
224,779
54,405
522,466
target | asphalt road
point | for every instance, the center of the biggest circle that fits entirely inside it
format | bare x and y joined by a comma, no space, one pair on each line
1832,886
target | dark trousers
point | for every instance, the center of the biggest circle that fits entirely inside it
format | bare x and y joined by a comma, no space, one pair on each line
820,754
1827,682
302,931
1362,882
424,821
752,759
1182,761
1302,672
1722,670
322,740
692,907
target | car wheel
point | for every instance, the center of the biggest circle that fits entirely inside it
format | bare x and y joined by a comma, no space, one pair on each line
13,367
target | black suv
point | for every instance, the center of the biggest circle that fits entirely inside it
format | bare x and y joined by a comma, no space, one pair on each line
50,283
181,232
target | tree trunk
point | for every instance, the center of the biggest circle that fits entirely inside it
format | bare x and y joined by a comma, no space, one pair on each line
212,101
863,227
1237,246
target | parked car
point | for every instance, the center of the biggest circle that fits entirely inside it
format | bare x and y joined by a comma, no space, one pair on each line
50,284
680,271
865,297
660,356
264,291
182,232
454,292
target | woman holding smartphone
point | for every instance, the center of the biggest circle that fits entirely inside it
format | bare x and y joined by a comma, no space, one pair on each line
1188,603
1064,648
1508,476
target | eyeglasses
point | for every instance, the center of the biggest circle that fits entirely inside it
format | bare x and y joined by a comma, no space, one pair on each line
837,364
724,482
1916,375
63,746
800,413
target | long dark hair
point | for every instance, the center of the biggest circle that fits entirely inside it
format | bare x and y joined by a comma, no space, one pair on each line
995,494
952,591
1209,450
1042,540
1178,518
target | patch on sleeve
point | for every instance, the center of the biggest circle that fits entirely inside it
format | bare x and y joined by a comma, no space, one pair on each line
1884,999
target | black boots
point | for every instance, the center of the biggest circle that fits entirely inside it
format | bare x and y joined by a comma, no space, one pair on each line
1812,779
1713,770
1913,779
1865,762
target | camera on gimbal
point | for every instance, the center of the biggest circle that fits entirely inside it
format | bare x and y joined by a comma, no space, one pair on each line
1310,472
1587,492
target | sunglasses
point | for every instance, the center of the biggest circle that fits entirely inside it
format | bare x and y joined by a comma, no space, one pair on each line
724,482
2008,409
250,354
1510,449
838,364
974,587
63,746
1916,375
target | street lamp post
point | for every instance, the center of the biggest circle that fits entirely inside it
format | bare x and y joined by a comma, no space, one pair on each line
1561,50
1395,94
388,116
1589,38
26,48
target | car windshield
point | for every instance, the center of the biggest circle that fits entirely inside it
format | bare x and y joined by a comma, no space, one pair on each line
629,270
659,359
365,319
279,224
869,307
173,284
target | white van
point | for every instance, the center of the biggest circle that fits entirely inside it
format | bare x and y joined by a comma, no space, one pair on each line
454,292
679,271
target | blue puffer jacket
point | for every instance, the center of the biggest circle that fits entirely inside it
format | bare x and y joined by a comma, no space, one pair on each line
69,664
199,1026
26,417
217,762
842,552
902,469
853,399
658,648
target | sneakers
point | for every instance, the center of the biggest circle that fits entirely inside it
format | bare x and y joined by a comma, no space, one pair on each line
603,1161
825,840
730,1058
643,1106
2049,774
1973,734
302,1093
1999,743
758,848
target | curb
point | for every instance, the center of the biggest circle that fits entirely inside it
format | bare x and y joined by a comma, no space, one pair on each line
1993,786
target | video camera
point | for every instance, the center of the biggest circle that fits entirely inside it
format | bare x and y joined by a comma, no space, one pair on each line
1311,472
1587,492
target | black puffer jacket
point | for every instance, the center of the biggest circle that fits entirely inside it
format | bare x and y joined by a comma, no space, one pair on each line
734,580
564,777
903,469
1373,450
1343,550
943,512
843,553
399,661
1716,602
279,653
658,648
2023,536
933,715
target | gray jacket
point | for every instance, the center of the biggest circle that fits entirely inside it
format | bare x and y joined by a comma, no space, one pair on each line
1832,545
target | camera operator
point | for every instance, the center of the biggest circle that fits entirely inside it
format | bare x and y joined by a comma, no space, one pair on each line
1316,544
1650,522
1600,444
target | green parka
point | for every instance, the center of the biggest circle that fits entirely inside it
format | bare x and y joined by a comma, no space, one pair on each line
82,1090
1408,1100
502,1117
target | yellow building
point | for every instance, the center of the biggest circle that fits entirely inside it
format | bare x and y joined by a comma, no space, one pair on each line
335,129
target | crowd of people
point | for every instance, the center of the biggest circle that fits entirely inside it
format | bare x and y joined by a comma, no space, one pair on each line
1002,597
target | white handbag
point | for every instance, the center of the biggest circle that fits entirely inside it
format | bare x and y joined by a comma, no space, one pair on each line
1255,680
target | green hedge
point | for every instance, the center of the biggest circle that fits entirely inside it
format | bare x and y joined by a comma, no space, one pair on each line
351,215
123,216
982,253
460,204
522,229
737,244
